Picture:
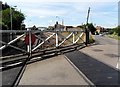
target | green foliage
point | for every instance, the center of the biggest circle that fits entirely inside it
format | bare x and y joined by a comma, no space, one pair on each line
90,26
118,30
17,17
5,6
17,20
82,26
91,39
4,27
111,31
6,16
115,31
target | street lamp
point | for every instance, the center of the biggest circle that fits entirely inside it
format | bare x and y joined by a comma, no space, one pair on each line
11,20
57,18
60,19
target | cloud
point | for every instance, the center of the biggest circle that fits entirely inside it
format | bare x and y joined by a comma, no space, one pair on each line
43,12
37,1
72,11
41,16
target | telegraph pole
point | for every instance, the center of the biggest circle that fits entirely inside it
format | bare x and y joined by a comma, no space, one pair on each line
88,15
87,29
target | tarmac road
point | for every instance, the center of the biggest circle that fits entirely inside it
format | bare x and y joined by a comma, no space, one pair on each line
105,50
98,62
104,40
97,72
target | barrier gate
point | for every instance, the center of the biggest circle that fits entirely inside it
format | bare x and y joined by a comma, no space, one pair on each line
47,38
33,41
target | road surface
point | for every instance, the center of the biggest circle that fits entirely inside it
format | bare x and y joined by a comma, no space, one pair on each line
104,40
98,62
105,49
97,72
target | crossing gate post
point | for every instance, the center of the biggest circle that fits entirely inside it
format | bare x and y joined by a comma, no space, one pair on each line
30,46
28,50
28,42
73,37
56,39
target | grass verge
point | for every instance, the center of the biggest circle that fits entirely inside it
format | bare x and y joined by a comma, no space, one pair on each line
114,36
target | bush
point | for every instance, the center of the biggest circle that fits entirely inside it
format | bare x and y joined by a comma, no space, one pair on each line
91,40
3,26
111,32
115,31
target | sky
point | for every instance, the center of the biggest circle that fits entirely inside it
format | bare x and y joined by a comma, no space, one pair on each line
44,13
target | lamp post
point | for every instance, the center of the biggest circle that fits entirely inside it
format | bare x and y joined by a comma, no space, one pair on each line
11,21
60,19
57,18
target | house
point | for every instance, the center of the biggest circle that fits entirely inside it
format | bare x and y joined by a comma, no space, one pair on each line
99,29
66,28
59,27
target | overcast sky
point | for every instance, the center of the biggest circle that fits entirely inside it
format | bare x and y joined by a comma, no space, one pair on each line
73,12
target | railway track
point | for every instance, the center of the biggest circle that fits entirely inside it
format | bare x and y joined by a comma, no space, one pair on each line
17,60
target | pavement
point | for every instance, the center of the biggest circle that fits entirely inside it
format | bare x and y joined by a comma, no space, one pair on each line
53,71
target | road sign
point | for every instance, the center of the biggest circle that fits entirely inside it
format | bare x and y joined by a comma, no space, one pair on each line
33,39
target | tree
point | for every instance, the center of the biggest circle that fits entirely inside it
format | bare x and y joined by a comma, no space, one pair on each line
115,31
4,27
5,6
91,28
17,17
118,30
81,26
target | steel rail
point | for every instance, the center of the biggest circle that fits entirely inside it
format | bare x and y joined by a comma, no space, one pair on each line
7,63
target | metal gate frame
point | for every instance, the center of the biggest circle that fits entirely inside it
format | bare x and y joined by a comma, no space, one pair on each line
30,49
